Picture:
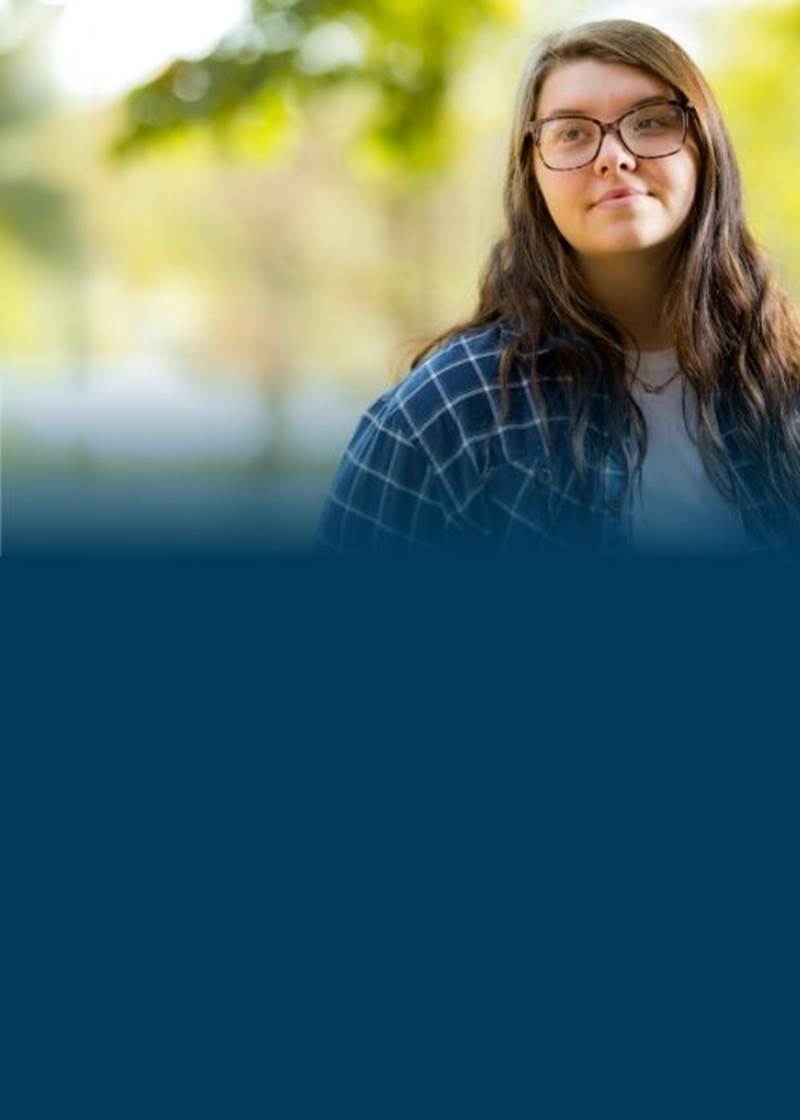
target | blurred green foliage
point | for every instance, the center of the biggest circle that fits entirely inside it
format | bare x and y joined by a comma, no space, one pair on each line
271,269
403,53
757,81
35,214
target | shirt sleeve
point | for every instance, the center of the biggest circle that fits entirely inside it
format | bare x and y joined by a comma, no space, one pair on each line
385,496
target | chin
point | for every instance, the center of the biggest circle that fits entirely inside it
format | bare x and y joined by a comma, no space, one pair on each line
628,242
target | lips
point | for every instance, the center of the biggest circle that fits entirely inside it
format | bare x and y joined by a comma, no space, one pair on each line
620,192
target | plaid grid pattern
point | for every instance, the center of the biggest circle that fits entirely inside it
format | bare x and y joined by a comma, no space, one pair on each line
430,467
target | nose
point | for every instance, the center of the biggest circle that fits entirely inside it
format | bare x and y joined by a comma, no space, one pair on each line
613,155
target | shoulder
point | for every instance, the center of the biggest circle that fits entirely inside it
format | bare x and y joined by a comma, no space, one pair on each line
459,378
416,465
452,398
410,469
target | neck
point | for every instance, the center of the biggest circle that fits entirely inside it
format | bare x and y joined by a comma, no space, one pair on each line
632,288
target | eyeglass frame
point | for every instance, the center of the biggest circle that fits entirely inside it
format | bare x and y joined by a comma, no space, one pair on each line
533,128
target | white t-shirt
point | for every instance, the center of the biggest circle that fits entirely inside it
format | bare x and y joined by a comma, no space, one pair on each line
679,510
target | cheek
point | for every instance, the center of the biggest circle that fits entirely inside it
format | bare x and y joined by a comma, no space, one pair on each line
684,194
559,201
681,186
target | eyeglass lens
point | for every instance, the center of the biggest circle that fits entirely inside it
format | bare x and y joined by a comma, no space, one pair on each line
650,132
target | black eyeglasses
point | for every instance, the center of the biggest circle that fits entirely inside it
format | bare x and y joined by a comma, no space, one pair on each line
652,131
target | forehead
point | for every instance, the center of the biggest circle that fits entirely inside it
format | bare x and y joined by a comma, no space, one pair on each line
599,89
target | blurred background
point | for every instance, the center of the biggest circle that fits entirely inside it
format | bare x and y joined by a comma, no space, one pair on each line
226,225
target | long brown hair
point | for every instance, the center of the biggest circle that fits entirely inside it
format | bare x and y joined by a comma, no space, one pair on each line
736,335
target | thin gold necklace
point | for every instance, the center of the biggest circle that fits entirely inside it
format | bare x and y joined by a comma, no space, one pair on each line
657,388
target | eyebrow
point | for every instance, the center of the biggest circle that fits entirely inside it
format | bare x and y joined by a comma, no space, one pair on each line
636,105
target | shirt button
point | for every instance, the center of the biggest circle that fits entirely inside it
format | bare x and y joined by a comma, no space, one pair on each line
615,506
544,474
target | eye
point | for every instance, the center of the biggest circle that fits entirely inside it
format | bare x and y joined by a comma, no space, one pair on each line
570,134
655,120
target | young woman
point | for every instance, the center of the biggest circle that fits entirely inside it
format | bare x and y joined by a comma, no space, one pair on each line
630,380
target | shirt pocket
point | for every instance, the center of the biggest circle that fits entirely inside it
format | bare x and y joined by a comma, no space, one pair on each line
535,507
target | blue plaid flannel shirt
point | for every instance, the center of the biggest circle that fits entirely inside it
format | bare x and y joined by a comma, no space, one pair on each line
430,467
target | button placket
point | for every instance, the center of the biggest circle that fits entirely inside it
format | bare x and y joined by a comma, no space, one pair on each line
618,523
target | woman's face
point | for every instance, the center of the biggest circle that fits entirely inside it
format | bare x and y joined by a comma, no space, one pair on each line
657,214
